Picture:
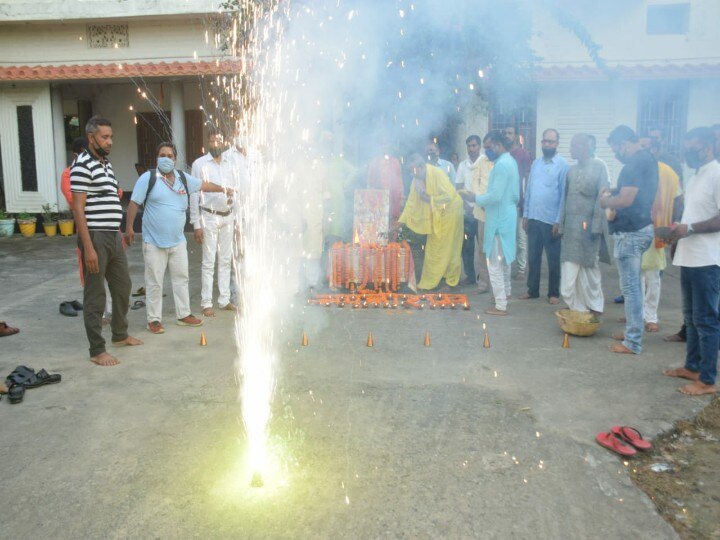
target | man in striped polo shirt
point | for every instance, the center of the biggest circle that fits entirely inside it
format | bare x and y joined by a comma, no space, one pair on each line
98,213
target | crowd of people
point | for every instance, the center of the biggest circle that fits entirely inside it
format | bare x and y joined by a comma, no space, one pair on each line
487,219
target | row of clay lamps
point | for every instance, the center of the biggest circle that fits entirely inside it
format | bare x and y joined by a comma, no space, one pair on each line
392,301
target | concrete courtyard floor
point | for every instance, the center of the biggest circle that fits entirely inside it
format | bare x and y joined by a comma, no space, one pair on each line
398,440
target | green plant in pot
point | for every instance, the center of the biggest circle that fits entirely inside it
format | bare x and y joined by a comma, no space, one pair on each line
7,224
48,220
66,222
27,223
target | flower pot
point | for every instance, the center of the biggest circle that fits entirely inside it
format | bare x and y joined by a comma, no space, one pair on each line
50,228
27,227
7,227
67,227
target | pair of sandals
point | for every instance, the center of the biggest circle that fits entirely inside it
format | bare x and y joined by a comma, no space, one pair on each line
623,440
24,377
70,308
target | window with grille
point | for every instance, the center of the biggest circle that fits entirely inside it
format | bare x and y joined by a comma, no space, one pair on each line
663,105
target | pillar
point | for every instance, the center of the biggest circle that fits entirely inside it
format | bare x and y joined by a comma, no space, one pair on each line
58,128
177,116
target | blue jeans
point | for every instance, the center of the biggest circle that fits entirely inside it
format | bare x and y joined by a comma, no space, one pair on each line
700,293
629,247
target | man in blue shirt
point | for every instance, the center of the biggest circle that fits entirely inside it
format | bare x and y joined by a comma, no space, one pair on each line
165,197
541,216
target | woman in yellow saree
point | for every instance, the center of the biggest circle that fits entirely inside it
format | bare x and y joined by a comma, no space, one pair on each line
434,208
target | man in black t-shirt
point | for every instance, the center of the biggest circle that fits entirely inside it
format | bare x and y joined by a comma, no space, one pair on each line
629,212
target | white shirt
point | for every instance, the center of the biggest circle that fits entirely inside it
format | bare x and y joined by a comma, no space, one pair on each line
702,202
208,170
475,176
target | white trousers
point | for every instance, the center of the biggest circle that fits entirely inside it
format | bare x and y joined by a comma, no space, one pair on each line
581,287
521,255
217,242
651,281
157,260
499,272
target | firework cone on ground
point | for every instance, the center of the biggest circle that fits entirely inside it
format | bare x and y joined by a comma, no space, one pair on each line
427,339
486,341
304,341
203,340
566,341
370,342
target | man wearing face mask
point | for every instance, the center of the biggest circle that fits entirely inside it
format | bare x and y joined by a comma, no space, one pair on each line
500,205
164,193
631,227
98,214
212,218
698,256
541,216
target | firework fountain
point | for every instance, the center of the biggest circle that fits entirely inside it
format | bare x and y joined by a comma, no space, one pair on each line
391,71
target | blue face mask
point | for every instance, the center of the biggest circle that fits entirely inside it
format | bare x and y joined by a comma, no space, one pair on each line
165,165
491,154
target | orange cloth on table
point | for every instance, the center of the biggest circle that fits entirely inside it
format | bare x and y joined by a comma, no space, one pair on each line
441,219
385,173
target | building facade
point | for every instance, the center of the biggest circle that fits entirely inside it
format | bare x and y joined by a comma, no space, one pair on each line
62,62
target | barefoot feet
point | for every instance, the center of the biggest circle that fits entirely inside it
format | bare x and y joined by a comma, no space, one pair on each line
682,373
128,342
698,388
620,349
105,359
208,312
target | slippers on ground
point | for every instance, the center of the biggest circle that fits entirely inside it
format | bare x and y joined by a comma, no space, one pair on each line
138,304
67,309
26,377
16,392
632,436
139,292
6,330
614,444
77,306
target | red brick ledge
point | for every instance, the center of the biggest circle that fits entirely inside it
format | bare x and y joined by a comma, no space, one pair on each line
117,70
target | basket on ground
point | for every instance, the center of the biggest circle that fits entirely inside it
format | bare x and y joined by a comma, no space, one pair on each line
577,323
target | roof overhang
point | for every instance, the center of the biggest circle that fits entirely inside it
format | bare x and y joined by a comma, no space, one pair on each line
118,70
551,73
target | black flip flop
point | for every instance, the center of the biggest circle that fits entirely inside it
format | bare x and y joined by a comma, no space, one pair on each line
76,305
138,304
67,309
16,393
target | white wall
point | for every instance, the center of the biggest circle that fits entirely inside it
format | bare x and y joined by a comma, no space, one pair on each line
586,107
704,103
619,26
33,10
65,43
475,122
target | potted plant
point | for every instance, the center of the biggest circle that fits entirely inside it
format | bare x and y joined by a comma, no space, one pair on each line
7,224
48,220
67,225
27,223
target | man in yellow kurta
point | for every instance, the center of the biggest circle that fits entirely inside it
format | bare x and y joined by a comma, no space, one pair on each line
434,208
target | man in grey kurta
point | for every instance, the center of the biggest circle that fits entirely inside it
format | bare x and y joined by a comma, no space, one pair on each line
583,226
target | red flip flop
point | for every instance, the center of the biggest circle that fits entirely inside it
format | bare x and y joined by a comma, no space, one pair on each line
632,436
613,443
